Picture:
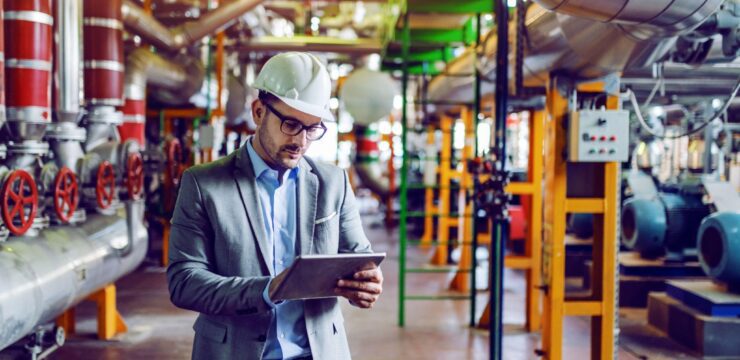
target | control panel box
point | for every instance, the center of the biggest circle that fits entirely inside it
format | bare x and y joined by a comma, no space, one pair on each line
599,136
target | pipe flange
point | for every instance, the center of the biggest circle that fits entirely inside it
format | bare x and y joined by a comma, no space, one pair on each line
104,115
30,147
66,132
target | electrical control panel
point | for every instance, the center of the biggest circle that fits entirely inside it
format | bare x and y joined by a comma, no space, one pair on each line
599,136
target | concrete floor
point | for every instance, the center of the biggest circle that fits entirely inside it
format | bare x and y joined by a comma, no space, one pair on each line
434,330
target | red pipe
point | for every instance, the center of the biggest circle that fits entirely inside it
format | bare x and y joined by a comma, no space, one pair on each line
2,69
133,120
103,52
28,28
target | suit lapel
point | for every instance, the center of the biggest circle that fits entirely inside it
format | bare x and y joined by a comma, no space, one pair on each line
308,190
247,185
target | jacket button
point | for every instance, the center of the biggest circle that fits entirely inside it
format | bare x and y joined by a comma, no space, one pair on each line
262,338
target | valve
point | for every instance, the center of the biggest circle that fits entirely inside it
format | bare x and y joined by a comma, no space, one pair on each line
20,201
105,186
66,196
135,175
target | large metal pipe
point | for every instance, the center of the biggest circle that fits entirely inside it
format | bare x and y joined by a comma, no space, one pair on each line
311,43
176,80
64,135
67,43
2,71
579,47
103,53
670,15
44,276
149,28
28,34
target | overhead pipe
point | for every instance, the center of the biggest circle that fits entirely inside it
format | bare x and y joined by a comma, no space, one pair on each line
311,43
145,25
46,275
577,46
176,80
668,15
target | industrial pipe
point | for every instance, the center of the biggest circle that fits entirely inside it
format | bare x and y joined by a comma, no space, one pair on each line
2,71
28,35
149,28
103,36
575,46
718,242
176,80
671,15
311,43
46,275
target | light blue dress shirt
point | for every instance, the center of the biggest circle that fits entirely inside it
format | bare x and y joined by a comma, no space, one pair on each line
287,336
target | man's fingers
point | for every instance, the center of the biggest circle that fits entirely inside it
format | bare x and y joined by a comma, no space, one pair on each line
356,296
373,275
365,286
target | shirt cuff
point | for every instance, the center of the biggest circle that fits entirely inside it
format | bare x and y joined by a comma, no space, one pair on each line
266,296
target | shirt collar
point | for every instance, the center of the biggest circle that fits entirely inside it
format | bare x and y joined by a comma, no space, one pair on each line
260,166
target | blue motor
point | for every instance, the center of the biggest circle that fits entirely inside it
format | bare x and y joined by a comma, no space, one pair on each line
666,224
718,243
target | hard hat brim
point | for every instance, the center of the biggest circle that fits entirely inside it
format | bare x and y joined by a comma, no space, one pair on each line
304,107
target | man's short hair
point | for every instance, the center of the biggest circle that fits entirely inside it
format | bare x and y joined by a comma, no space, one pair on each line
267,98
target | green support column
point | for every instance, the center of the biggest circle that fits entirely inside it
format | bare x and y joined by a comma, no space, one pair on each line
404,177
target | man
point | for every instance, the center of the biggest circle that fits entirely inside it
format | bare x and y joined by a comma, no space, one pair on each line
243,219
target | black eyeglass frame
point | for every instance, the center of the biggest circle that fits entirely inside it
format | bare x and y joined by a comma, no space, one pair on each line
284,119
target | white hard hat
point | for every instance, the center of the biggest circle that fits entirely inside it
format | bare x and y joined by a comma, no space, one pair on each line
299,80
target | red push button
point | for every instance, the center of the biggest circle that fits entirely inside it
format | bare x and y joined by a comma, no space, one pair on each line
603,138
613,138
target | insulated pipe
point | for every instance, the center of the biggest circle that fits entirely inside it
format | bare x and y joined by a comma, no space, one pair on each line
2,70
28,34
671,15
103,36
176,82
578,47
66,91
45,276
146,26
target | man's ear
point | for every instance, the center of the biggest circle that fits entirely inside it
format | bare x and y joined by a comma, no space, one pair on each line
258,111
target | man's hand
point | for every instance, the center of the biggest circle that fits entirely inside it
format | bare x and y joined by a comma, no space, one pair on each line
364,288
276,281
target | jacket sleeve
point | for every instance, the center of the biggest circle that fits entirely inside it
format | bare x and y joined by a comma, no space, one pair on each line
352,237
192,282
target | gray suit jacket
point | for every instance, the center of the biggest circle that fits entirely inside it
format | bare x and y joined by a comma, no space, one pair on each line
219,255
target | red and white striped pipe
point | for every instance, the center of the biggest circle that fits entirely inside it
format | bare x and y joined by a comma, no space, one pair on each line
103,52
28,28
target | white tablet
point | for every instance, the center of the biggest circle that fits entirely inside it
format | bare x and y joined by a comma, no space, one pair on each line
315,276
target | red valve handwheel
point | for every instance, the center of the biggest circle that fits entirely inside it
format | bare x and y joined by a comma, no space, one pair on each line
66,196
19,194
135,175
174,160
105,186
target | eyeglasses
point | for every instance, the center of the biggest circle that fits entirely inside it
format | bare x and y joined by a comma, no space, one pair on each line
293,127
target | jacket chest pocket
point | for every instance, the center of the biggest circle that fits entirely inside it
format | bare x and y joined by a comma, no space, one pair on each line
326,235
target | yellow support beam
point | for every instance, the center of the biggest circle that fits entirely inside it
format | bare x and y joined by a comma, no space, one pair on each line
601,305
584,206
583,308
443,227
520,188
517,262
